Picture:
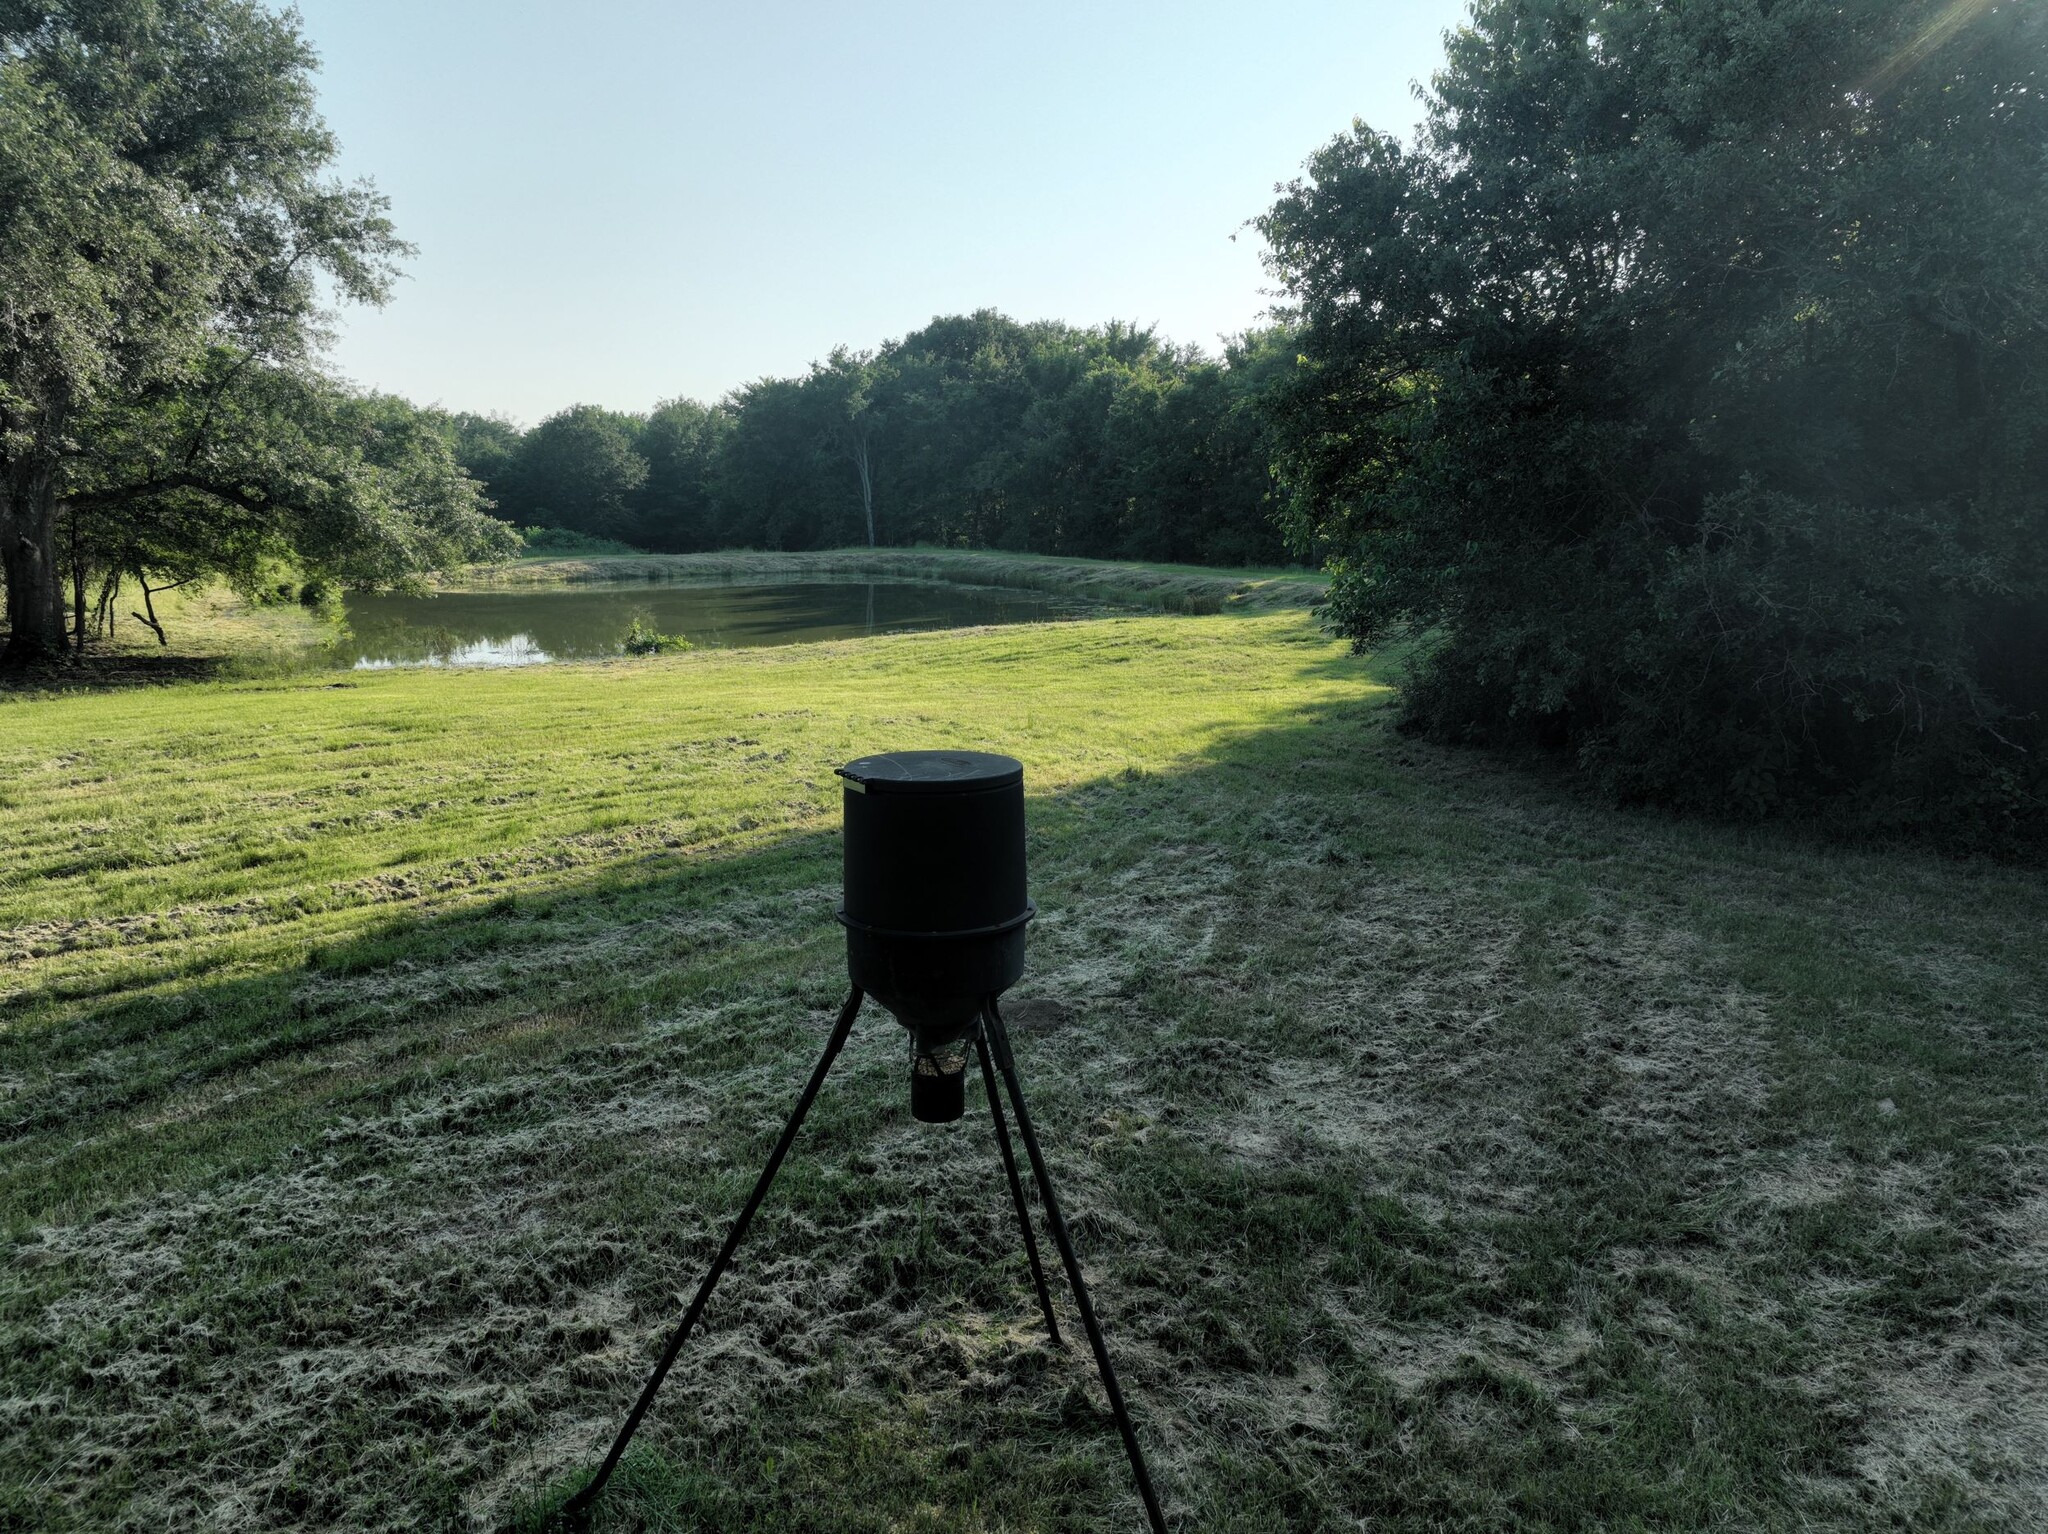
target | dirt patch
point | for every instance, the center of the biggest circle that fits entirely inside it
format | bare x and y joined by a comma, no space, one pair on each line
1037,1015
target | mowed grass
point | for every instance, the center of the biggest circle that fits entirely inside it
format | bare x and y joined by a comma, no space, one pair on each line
384,1055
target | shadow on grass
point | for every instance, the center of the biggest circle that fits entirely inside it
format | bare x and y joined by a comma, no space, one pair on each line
103,672
124,670
492,959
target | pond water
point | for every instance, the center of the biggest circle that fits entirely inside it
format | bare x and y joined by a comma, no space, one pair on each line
526,628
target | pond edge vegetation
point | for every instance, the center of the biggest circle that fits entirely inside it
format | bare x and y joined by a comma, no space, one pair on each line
1111,583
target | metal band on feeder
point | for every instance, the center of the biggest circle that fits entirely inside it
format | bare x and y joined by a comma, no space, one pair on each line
935,909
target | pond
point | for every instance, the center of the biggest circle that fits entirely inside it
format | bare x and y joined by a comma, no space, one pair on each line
526,628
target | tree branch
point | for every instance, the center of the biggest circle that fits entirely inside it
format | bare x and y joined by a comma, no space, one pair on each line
213,403
234,495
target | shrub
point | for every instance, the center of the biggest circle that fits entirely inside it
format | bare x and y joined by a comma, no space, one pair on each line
643,638
557,542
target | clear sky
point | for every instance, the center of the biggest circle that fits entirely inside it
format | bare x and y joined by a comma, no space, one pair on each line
620,201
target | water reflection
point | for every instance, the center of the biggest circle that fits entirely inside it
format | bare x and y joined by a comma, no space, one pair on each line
519,650
525,628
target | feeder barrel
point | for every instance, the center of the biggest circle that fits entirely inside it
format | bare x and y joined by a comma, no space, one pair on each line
935,895
935,843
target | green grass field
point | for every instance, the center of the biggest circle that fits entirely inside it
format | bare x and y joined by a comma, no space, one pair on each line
383,1055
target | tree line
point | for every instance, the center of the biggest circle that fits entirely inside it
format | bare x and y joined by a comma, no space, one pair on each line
975,431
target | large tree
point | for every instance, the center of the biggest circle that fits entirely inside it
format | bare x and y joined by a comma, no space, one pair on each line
580,469
266,466
487,447
166,225
1683,387
851,382
776,485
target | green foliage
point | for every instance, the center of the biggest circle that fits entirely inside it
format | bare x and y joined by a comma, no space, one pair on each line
681,442
485,445
643,638
549,542
1685,384
577,470
266,464
1045,438
167,230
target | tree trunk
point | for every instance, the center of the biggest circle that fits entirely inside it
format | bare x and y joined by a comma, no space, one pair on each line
103,612
148,616
35,579
77,587
867,483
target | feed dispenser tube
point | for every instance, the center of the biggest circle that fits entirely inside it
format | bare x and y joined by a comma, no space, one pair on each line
935,910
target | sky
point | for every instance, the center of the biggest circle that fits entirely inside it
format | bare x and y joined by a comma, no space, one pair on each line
622,201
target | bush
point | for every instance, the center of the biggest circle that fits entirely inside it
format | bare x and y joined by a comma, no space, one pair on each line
560,542
644,638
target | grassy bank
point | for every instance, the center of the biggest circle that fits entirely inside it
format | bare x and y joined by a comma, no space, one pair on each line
1172,588
384,1054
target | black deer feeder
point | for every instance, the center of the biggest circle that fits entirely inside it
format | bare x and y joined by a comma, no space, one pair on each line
935,905
935,909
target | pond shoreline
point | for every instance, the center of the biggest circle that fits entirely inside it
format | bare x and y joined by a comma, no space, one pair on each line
217,636
1156,587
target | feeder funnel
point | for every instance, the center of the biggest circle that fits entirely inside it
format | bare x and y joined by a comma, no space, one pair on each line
934,905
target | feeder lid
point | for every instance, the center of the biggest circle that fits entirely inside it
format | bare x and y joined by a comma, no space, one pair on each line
931,772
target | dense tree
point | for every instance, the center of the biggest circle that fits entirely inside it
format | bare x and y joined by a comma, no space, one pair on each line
1685,384
978,431
165,229
975,431
486,446
851,386
681,443
579,469
777,484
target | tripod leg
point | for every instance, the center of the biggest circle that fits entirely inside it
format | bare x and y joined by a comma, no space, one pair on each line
1103,1366
589,1494
995,1109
